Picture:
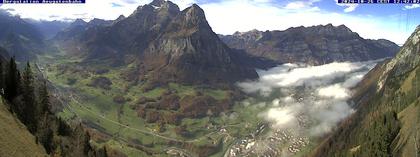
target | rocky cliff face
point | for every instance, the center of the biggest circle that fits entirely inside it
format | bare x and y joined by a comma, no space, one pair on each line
189,51
167,44
387,101
316,45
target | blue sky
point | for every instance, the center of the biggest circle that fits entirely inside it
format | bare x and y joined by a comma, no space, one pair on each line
374,21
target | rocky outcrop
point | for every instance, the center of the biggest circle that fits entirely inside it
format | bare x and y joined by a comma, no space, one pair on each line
317,45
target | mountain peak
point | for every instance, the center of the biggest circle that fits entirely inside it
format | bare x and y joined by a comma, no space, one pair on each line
196,9
195,15
120,18
321,43
328,29
79,21
96,20
344,28
417,30
158,3
99,22
157,6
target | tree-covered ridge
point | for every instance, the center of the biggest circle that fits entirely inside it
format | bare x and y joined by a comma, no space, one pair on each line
28,98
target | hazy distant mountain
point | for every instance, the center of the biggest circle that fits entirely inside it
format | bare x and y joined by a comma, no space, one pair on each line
387,118
20,38
79,27
48,28
316,45
121,17
167,45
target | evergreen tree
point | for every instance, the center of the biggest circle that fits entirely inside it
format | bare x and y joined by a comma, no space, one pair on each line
29,108
105,154
33,109
2,83
12,80
43,99
63,128
45,133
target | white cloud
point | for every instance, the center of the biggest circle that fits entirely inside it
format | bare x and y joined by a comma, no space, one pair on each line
413,6
293,75
92,9
301,4
282,116
184,3
309,100
104,9
336,91
348,7
229,16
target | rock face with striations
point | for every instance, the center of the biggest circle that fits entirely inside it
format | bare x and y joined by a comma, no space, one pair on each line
167,44
316,45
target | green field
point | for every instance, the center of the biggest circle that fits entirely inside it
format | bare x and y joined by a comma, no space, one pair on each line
95,106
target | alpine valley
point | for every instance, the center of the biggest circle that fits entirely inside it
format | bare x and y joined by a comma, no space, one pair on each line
160,82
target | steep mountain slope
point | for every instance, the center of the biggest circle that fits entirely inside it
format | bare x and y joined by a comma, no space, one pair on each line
166,44
29,127
22,39
316,45
189,51
15,139
388,116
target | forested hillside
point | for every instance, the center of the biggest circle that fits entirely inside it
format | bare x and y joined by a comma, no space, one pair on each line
27,98
387,120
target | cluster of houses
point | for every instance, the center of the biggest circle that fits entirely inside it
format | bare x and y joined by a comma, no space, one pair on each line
279,142
298,144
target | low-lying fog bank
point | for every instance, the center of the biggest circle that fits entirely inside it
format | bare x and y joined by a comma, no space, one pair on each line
309,100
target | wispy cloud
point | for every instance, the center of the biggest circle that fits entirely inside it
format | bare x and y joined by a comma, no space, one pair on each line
301,4
104,9
116,5
245,15
413,6
348,7
184,3
229,16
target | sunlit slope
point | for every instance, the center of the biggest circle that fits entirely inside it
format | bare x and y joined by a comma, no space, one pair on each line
407,140
387,120
15,139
